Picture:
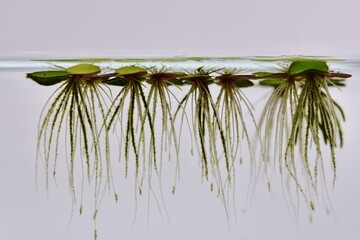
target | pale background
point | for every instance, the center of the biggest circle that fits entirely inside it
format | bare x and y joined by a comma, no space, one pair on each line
133,28
196,27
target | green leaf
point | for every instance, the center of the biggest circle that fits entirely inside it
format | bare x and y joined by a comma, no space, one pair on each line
266,75
237,80
272,82
48,78
172,78
83,69
336,82
262,74
118,81
131,71
175,81
189,79
244,83
308,66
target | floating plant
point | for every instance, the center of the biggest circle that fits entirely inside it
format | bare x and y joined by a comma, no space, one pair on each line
275,120
207,124
73,105
300,111
131,79
204,111
299,118
232,105
159,81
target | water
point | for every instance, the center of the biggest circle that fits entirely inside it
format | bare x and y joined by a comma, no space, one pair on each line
194,212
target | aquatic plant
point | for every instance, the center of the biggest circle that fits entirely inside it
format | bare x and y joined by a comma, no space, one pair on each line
159,93
299,118
232,106
300,110
275,119
73,105
131,79
204,109
206,124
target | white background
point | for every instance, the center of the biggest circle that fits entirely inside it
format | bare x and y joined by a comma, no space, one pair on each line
196,27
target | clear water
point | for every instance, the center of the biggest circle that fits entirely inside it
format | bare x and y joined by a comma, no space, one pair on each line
193,212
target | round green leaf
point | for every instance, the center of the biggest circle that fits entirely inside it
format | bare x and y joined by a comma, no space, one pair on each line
238,80
262,74
244,83
175,81
171,78
189,79
306,66
83,69
268,75
119,81
131,71
48,78
271,82
232,78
